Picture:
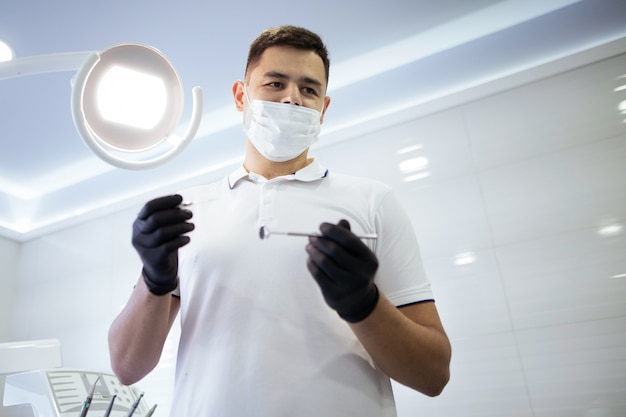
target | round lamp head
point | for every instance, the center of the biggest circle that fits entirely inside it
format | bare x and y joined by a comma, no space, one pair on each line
6,52
126,102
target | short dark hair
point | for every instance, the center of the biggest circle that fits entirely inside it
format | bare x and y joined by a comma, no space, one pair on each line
294,36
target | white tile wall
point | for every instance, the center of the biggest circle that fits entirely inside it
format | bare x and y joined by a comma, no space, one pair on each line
8,277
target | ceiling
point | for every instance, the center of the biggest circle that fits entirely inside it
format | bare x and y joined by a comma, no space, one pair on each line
385,56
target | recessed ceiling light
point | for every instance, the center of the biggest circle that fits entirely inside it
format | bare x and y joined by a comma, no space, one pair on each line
465,258
6,53
611,230
408,149
617,276
413,164
416,177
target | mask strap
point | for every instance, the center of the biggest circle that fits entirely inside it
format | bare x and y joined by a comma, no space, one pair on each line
245,93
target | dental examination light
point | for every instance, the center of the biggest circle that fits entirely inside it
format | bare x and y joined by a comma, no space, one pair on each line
126,102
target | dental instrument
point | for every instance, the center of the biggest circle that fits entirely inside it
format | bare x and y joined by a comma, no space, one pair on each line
151,411
134,406
85,409
264,233
110,407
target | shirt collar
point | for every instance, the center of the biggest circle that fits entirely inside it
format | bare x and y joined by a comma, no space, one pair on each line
312,172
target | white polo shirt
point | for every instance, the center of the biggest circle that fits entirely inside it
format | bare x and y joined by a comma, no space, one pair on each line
257,338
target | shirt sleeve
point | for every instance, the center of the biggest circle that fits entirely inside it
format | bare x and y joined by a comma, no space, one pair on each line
400,276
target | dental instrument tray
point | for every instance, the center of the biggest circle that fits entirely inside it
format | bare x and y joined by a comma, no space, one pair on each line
61,392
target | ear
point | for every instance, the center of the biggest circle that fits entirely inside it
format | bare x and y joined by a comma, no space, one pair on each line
326,104
238,94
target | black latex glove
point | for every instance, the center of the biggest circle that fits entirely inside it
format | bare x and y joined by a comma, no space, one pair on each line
158,232
344,268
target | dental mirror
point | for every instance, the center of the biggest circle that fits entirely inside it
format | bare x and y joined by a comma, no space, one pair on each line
264,233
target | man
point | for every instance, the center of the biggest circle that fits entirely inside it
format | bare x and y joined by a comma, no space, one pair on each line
286,326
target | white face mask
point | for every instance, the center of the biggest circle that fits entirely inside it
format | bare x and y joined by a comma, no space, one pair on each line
279,131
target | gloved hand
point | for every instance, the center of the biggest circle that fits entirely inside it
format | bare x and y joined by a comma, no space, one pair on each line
344,268
157,235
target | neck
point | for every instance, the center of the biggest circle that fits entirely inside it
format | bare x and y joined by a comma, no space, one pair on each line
257,163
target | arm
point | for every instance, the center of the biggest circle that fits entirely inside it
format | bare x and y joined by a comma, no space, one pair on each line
408,343
137,335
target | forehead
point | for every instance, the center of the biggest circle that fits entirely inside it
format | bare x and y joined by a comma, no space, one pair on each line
292,61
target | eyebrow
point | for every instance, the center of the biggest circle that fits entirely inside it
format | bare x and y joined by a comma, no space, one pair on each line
280,75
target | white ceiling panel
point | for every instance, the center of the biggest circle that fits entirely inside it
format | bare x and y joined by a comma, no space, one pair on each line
471,299
564,278
449,217
534,197
548,116
440,138
576,369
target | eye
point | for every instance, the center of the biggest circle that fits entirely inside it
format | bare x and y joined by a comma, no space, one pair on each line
275,84
310,91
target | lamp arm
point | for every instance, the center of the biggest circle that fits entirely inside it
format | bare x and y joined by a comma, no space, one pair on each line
78,86
40,64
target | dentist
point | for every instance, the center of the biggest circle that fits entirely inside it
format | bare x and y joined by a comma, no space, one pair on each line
287,326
